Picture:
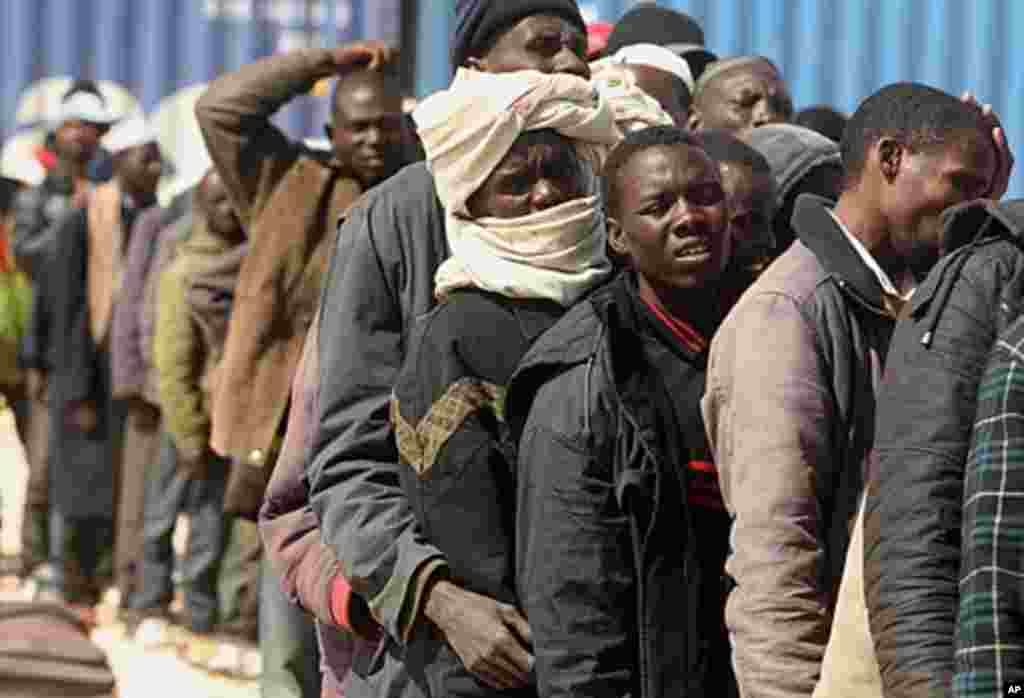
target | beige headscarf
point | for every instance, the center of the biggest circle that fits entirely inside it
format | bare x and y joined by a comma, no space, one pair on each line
467,130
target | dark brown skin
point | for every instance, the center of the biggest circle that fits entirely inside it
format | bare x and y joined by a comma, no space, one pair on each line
75,145
662,85
546,43
369,133
751,199
540,171
215,203
895,207
742,98
671,223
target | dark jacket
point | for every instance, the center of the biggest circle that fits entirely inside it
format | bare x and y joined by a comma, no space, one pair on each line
619,574
790,411
989,635
380,280
37,211
289,199
456,452
926,409
80,462
129,359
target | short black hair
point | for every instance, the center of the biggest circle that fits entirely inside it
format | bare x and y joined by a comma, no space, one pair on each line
915,115
824,120
636,142
722,146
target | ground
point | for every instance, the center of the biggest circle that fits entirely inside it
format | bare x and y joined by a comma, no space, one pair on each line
139,672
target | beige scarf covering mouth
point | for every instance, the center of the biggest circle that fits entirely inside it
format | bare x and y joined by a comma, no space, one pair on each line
106,259
556,254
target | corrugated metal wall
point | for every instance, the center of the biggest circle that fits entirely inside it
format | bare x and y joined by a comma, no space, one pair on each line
155,47
835,51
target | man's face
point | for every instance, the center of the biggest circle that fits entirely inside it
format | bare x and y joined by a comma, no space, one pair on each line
217,207
77,141
750,196
369,130
546,43
540,171
672,218
139,168
661,85
924,183
743,98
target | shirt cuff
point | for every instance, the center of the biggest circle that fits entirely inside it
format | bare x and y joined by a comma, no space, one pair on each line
412,613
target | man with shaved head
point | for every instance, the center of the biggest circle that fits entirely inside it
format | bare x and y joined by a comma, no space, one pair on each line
288,197
738,94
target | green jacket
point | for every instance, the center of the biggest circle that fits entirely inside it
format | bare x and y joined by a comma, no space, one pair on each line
190,329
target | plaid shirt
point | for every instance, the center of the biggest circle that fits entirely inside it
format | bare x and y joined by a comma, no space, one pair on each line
990,622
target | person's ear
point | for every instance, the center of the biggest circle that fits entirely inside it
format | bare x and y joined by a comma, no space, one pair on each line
617,237
890,155
476,64
693,119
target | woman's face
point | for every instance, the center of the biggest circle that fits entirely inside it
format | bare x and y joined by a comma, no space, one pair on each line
540,171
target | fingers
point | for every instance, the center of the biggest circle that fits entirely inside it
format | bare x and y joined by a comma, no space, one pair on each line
518,623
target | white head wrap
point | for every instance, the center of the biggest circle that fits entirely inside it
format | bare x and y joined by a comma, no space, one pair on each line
633,108
467,130
655,56
131,131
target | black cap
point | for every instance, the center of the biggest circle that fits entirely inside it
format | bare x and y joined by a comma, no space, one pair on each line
648,23
479,22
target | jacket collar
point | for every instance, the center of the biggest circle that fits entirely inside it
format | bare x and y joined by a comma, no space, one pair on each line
821,234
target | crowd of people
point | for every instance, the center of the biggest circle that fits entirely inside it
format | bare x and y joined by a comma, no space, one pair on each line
601,372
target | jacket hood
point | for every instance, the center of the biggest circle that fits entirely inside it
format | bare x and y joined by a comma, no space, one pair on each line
963,223
792,151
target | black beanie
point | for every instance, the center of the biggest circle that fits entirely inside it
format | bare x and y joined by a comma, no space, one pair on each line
650,24
479,22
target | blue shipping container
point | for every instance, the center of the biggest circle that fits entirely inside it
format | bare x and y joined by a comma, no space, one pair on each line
155,47
833,52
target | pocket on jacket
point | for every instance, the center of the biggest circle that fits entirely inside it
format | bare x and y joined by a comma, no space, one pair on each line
592,502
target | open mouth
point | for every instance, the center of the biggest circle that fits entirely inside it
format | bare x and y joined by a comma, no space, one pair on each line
694,249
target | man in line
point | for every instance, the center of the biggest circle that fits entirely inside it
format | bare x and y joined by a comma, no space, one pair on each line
389,248
81,288
289,199
84,118
738,94
790,403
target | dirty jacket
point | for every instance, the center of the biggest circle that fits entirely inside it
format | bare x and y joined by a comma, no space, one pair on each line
190,335
790,409
289,199
457,454
381,279
913,516
989,636
617,568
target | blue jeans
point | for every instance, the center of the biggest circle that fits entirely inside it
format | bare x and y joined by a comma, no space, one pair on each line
167,494
288,644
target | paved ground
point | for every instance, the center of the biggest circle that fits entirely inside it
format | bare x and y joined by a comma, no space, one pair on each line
141,673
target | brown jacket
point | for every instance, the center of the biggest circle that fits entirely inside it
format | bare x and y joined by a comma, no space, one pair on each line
789,409
289,199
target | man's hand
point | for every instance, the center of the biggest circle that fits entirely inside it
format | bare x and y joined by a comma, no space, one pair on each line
82,416
492,639
1004,156
363,55
36,384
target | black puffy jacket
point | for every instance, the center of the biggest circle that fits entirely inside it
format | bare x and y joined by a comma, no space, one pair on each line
926,408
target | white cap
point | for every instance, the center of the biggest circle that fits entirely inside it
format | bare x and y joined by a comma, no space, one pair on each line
131,131
85,106
656,57
19,162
